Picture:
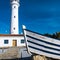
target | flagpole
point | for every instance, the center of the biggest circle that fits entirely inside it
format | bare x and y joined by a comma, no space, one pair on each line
24,32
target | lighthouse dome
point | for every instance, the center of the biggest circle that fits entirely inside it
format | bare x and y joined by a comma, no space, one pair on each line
14,0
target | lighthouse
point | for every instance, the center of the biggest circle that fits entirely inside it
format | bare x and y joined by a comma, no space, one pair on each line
14,17
14,39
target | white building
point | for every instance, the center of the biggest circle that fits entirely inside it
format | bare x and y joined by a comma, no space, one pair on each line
13,39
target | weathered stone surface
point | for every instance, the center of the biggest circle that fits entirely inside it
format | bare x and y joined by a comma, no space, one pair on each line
11,53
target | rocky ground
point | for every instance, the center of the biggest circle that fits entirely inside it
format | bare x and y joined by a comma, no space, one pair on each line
10,53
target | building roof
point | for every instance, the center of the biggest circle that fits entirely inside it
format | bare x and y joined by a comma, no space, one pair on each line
11,35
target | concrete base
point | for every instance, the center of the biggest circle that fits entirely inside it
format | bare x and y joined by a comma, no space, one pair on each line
10,53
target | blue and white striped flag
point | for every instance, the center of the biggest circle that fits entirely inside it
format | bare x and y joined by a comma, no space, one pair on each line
42,45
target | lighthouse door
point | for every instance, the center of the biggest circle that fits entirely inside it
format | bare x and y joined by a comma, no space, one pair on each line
14,43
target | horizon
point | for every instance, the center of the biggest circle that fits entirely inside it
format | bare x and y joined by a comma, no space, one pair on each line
42,16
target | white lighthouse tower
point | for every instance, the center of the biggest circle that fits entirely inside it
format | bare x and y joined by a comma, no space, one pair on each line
14,17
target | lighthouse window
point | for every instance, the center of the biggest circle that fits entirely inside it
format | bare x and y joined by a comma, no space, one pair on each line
14,6
14,28
15,0
14,16
6,41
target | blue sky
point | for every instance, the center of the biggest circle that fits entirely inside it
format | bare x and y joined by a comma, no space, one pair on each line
42,16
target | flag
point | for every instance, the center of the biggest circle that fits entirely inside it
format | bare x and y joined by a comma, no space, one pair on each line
42,45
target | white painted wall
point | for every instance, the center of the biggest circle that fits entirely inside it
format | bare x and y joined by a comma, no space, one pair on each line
14,21
11,38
